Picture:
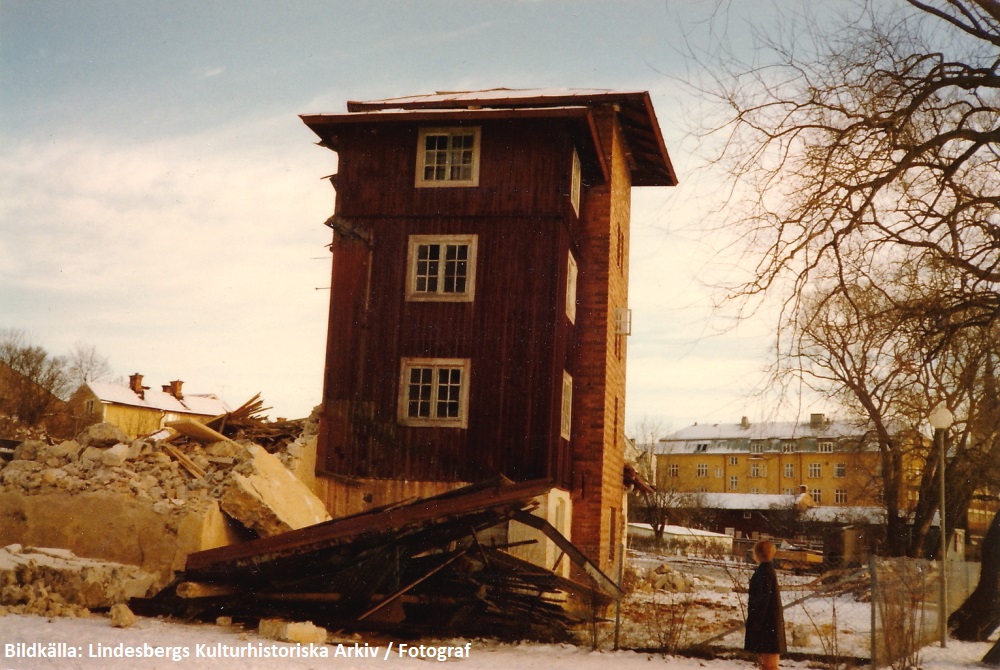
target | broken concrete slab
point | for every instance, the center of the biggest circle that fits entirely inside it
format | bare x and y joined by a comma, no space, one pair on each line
115,527
57,582
262,494
302,632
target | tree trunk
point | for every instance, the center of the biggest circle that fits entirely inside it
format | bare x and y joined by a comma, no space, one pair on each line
979,615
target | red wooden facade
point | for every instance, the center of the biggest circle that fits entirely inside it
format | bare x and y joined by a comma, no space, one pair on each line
515,332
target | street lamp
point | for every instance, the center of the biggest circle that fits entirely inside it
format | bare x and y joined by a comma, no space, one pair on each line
941,419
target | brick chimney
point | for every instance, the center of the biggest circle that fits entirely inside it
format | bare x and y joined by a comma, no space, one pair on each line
817,421
174,389
135,383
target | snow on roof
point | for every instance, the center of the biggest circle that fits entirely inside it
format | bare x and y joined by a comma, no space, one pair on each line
726,437
206,404
682,530
495,95
738,500
846,515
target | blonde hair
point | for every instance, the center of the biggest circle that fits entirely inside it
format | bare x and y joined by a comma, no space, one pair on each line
764,551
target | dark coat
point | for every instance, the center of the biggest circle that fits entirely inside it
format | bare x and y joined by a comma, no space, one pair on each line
765,629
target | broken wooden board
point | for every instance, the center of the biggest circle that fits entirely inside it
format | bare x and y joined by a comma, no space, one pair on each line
425,567
197,431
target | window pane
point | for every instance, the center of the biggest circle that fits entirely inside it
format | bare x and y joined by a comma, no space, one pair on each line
448,392
455,268
419,392
428,257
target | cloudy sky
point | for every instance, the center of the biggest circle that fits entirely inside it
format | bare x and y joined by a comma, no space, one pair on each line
161,200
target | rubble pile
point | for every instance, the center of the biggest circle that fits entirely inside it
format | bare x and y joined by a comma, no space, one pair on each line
151,501
56,582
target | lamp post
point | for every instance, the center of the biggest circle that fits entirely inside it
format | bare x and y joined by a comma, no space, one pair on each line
940,419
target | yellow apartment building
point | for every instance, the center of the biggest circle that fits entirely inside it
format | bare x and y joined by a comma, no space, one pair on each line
833,460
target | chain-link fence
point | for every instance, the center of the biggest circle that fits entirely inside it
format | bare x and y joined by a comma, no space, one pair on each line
880,613
906,605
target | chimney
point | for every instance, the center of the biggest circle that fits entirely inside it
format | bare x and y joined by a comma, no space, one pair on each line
135,383
744,423
174,389
817,421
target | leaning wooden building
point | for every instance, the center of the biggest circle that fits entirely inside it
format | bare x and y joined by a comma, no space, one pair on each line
479,301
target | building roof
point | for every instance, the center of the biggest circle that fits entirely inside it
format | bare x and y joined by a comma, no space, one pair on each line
738,501
206,404
728,437
650,162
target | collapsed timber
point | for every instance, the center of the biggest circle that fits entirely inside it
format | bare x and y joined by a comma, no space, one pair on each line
430,566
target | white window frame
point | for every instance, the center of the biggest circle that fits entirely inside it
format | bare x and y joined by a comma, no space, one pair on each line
414,243
575,182
734,483
673,470
701,470
566,415
815,471
734,460
461,420
756,447
789,470
758,469
572,273
816,495
450,133
839,470
825,447
840,496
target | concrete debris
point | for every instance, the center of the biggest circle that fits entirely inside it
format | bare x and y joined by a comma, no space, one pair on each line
121,616
303,632
264,496
56,582
151,502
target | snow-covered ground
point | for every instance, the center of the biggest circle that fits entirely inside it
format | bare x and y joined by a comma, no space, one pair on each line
192,642
708,603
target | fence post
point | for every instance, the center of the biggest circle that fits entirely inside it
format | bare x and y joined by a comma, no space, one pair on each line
874,614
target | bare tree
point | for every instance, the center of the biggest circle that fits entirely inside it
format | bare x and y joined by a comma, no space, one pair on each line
85,364
872,140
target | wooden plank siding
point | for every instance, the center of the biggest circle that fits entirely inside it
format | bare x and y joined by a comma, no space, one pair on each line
515,332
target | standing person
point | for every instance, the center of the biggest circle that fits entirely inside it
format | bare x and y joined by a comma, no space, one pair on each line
765,628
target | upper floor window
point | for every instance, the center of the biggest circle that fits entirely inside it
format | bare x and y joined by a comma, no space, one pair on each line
840,470
825,447
673,470
756,446
575,180
734,460
448,157
701,447
702,470
789,470
788,446
572,271
815,470
441,267
434,392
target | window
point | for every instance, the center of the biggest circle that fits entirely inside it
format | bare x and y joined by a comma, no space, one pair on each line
702,470
718,472
441,268
817,496
825,447
572,270
434,392
756,447
734,483
758,470
840,496
566,419
815,471
734,460
701,447
575,180
788,492
673,470
448,157
787,446
840,470
755,490
789,470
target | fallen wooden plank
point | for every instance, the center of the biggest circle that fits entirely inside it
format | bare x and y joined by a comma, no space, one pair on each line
197,431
